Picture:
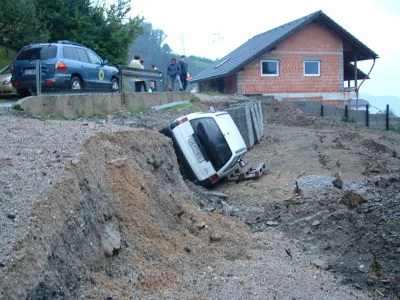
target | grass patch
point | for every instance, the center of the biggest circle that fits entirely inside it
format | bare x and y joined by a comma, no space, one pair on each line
394,130
141,108
178,107
348,120
6,60
194,98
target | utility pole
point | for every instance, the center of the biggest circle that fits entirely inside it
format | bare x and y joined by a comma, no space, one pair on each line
183,43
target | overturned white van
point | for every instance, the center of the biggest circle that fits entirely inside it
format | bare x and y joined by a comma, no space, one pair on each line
208,145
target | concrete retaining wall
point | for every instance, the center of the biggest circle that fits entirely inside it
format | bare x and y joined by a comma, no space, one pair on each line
71,106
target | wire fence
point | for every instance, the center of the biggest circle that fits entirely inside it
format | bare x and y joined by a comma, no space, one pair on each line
361,116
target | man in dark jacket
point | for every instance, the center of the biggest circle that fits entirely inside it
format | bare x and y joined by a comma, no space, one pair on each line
184,70
174,71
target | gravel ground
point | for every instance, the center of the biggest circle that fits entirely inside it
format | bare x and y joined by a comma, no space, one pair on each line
64,182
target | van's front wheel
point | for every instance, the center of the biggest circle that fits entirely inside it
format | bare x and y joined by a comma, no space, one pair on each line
115,85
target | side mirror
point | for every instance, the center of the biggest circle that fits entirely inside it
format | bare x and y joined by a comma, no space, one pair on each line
105,62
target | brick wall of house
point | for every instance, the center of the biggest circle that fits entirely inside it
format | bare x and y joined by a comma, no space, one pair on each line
230,84
311,42
204,86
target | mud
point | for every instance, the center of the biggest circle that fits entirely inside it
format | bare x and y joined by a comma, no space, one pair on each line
117,220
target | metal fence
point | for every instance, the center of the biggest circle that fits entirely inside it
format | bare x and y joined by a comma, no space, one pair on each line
360,117
127,77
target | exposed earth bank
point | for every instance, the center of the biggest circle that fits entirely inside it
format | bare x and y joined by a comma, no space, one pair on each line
97,208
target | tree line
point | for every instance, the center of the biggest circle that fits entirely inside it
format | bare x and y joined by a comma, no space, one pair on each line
106,29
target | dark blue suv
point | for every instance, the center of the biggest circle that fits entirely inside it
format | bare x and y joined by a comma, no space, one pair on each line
65,66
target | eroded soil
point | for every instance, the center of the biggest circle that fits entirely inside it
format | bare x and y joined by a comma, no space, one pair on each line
97,208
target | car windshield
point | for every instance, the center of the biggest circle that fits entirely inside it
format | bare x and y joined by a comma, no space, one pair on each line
212,141
38,52
6,70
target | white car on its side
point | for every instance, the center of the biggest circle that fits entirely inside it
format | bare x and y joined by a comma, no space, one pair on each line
208,145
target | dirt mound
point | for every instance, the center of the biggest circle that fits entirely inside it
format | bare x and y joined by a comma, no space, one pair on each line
124,201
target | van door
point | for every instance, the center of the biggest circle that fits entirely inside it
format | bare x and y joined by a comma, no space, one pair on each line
101,74
86,69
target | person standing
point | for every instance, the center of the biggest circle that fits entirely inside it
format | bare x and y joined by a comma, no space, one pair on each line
174,71
135,63
184,71
144,81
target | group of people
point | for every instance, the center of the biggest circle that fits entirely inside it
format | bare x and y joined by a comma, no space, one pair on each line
177,72
140,83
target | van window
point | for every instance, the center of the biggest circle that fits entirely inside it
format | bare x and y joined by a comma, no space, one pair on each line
38,52
212,141
82,55
69,53
94,58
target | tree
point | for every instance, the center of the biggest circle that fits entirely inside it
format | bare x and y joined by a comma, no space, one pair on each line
20,24
108,31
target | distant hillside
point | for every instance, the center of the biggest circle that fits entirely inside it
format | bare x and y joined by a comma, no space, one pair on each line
4,61
380,102
196,65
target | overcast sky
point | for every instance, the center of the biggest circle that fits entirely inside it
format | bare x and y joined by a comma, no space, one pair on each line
214,28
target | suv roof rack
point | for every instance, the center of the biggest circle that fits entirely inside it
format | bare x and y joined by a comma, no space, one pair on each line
70,43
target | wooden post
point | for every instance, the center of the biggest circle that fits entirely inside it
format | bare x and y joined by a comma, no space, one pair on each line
120,79
322,111
367,116
346,113
387,116
355,79
38,77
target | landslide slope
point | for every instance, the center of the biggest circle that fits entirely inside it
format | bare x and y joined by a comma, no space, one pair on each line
120,219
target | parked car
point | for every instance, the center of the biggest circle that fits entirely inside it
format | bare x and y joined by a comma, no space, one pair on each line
65,66
208,145
6,88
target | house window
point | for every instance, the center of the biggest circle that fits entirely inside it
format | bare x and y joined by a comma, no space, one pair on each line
312,68
269,68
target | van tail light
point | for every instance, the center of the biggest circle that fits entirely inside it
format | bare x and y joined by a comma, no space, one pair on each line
212,178
15,83
60,66
179,122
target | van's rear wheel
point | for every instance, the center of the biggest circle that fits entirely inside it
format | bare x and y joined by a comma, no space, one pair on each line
76,84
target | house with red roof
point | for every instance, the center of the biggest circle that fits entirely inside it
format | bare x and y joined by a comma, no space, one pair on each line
309,59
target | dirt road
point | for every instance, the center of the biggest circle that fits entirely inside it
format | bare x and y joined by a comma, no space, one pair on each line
97,209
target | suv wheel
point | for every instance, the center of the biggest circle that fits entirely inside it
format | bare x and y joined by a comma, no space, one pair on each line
114,84
76,84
